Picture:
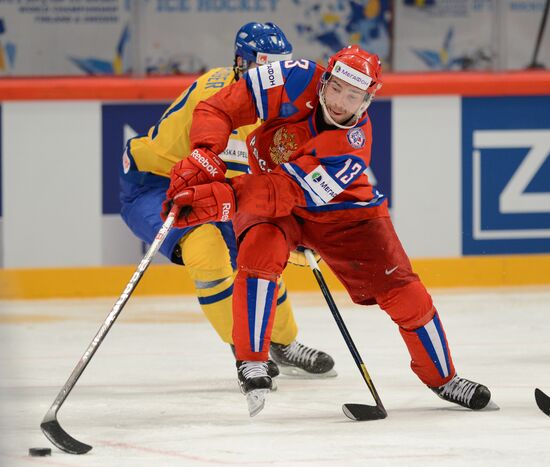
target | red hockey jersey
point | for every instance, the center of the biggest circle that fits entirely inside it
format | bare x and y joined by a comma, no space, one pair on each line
316,175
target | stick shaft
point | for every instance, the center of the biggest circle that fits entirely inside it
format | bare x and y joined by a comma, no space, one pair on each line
111,317
342,326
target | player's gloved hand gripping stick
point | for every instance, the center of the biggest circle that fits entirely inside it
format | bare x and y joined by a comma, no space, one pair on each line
211,202
50,426
200,167
354,411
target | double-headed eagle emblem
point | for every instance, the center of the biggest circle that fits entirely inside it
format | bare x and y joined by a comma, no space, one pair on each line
283,146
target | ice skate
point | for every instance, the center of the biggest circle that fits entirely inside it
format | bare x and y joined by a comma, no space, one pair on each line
296,359
255,383
272,368
466,393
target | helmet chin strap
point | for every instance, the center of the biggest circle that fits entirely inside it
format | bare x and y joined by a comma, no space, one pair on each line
326,114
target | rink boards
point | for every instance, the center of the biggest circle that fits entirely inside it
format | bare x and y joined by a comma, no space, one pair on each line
465,164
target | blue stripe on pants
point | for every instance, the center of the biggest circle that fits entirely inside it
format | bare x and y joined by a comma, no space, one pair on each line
260,294
431,336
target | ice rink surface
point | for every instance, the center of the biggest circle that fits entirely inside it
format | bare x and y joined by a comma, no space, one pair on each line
162,391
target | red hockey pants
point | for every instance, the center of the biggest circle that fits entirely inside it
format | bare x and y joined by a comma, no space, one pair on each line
366,256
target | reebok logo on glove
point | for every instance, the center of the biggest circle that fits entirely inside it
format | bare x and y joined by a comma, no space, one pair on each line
200,167
210,202
226,210
204,162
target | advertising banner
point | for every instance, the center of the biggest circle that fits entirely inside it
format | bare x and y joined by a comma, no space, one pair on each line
199,34
468,34
119,123
444,35
521,22
63,37
109,37
99,37
506,175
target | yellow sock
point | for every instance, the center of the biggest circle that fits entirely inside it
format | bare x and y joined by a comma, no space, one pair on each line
206,256
284,327
215,303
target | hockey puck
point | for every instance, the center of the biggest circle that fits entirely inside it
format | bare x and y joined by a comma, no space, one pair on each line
40,452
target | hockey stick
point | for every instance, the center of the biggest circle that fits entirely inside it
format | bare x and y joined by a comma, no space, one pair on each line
354,411
543,401
534,65
50,426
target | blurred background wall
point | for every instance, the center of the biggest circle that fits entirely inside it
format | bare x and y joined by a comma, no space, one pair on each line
96,37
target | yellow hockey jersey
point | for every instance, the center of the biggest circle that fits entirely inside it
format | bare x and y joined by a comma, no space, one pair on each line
168,141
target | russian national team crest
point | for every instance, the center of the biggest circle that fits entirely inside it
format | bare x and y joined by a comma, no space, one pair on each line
283,145
356,137
506,175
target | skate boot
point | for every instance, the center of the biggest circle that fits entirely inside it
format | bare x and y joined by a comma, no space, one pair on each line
255,383
296,359
464,392
272,368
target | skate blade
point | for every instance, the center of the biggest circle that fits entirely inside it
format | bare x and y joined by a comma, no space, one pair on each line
256,401
490,407
296,372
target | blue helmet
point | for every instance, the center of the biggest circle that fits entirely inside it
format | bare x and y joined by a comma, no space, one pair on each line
261,43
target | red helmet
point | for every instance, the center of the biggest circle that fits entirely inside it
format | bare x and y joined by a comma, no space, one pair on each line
357,67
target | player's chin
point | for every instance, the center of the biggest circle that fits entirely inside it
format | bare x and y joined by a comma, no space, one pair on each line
338,117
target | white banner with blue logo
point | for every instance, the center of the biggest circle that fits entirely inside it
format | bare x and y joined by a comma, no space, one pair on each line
506,175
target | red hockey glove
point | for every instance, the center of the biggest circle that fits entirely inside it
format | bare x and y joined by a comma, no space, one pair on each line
202,166
212,202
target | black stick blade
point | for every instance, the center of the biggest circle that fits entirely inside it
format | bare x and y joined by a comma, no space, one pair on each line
543,401
63,440
362,412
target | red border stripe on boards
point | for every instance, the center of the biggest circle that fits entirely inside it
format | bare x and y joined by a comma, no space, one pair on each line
167,88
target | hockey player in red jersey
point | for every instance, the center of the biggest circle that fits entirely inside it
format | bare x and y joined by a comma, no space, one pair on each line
209,251
309,187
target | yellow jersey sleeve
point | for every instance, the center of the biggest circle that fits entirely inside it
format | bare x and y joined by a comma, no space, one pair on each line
167,142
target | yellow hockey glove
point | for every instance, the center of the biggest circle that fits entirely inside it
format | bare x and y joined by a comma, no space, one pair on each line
298,257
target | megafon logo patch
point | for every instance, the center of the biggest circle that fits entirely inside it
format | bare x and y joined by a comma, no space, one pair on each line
316,177
271,75
351,76
323,187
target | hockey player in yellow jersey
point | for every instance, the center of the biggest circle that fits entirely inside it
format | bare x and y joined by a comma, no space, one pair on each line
209,251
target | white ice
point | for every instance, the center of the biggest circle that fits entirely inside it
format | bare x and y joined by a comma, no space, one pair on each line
162,391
